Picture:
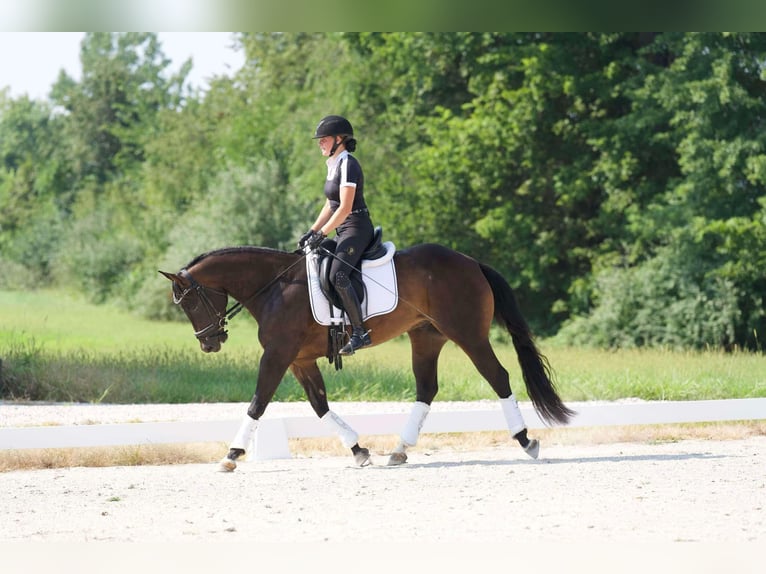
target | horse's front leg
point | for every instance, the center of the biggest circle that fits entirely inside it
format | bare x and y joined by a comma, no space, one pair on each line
242,441
308,374
410,433
272,368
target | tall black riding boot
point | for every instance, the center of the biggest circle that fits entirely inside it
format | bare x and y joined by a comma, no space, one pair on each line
359,337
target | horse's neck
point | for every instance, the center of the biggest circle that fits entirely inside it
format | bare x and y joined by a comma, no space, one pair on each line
243,273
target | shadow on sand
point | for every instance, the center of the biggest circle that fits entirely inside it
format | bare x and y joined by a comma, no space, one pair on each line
576,460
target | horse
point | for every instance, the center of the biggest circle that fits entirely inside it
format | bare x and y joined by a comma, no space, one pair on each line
443,295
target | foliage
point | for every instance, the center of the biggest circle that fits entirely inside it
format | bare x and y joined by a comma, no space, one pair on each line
667,302
616,179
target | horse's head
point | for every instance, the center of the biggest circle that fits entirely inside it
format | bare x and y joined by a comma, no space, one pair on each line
204,306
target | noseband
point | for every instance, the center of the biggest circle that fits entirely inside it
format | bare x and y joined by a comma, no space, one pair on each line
217,327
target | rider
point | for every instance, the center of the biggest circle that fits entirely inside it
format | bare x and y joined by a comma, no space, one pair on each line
345,212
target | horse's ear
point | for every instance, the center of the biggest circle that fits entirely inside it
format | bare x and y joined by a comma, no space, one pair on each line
172,276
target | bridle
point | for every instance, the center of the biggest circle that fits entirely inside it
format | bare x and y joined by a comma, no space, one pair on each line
216,327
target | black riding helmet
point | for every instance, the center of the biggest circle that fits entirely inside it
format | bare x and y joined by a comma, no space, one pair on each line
333,126
336,126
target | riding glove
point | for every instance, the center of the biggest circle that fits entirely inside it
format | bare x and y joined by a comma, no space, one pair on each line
305,237
315,240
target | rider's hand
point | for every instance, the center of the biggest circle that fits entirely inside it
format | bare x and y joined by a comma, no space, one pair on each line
305,237
315,240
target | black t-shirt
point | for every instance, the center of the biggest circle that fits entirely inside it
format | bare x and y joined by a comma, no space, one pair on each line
342,172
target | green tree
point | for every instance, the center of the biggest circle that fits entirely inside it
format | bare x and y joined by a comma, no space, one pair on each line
107,121
704,107
508,158
30,173
111,111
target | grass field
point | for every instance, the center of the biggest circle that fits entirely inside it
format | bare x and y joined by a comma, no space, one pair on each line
58,348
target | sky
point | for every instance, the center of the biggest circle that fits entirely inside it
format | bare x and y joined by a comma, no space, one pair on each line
31,61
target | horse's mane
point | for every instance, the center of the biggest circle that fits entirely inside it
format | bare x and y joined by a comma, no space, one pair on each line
234,251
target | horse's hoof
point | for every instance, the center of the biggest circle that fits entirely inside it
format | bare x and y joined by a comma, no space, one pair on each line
229,462
362,457
533,448
397,458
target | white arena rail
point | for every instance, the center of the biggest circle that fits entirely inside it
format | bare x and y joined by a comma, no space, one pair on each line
271,439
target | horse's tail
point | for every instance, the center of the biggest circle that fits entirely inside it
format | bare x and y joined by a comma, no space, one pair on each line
535,369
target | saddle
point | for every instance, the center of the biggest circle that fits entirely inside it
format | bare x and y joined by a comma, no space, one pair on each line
375,286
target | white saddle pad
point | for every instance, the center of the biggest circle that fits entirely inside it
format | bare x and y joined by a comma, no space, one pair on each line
381,292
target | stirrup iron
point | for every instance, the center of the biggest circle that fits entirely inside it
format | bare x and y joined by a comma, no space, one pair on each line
362,338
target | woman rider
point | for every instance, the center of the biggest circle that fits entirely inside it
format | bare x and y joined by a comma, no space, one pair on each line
344,212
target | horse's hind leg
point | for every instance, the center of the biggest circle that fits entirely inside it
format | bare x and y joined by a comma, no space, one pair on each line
517,427
426,343
486,362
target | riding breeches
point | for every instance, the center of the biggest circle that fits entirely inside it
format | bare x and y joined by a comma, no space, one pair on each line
353,237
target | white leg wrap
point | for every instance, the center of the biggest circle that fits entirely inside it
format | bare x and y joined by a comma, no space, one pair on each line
512,415
411,430
245,434
348,436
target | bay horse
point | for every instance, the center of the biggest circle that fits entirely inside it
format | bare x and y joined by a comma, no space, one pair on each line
442,295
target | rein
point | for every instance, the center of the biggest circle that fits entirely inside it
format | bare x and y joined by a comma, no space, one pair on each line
235,309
